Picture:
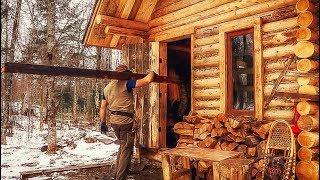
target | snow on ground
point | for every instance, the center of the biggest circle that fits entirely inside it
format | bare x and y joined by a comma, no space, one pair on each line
23,151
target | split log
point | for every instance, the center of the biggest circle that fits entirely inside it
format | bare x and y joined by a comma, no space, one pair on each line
242,148
224,145
263,130
305,49
261,147
307,19
305,5
217,123
201,144
308,139
204,128
209,127
217,146
196,134
183,125
251,151
191,119
204,135
185,132
251,141
186,140
308,122
306,65
307,170
210,142
308,89
308,81
236,138
234,123
203,166
259,165
305,34
305,108
308,154
231,146
219,132
222,117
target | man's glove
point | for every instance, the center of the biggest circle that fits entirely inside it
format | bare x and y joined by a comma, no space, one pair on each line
103,128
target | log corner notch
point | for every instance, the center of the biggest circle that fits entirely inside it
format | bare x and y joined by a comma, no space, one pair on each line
122,27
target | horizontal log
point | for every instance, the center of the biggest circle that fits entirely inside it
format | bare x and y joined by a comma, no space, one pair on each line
273,76
314,81
275,114
289,87
306,49
308,154
297,96
308,122
279,65
206,93
290,23
185,12
309,89
305,5
207,113
308,139
282,102
125,32
277,52
120,22
306,34
206,104
78,72
206,62
206,72
307,170
232,17
206,48
306,65
207,83
206,40
279,38
307,19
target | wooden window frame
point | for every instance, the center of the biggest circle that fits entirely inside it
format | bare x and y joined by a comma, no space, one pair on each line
235,25
230,109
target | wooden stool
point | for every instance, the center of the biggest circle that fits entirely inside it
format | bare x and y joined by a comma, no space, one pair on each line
233,169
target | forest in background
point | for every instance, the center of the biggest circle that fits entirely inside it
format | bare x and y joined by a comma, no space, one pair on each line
50,32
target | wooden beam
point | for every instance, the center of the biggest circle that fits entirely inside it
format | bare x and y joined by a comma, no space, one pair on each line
78,72
125,32
180,48
121,22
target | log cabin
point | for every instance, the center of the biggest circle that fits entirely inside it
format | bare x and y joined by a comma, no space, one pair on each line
237,58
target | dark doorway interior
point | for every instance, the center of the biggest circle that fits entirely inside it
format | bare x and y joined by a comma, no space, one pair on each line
179,96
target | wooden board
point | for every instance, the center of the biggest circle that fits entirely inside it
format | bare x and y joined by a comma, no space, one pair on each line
205,154
163,95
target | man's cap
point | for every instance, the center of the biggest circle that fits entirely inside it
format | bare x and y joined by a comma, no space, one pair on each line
122,68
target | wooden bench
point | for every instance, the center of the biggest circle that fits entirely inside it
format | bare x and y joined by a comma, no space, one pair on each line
186,153
234,169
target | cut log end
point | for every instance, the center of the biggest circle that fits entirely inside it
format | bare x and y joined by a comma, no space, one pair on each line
306,65
308,123
304,5
305,49
308,139
307,170
305,108
309,89
306,19
307,154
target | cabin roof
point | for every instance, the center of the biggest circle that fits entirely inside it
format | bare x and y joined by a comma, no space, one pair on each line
109,34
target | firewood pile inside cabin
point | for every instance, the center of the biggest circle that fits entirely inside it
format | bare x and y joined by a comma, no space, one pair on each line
242,134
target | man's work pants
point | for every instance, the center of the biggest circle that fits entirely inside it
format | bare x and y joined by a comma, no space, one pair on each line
126,137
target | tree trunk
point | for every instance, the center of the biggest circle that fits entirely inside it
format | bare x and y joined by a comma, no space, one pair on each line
52,105
75,102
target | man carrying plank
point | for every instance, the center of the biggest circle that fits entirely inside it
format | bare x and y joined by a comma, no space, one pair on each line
118,98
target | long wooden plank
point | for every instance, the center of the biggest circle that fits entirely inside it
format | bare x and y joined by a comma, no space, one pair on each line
26,174
78,72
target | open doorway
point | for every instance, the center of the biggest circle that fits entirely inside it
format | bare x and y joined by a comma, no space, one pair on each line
178,95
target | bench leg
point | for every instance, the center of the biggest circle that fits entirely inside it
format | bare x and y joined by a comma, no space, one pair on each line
216,175
166,169
186,165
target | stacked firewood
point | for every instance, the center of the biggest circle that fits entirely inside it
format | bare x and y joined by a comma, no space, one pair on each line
307,51
228,133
